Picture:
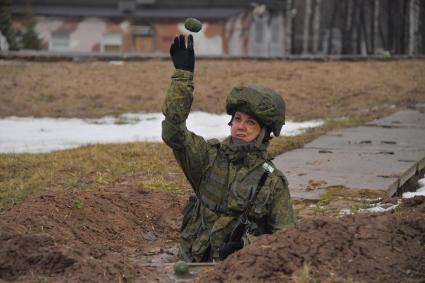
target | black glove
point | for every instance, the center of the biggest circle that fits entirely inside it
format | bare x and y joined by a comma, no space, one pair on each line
183,57
228,248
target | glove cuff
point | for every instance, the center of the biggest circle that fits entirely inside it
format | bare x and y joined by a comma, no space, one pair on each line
182,74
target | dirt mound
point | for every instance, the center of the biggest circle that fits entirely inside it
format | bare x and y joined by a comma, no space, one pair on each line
109,235
23,251
96,233
37,258
387,247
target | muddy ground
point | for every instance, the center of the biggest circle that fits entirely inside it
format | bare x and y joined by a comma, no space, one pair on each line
387,247
87,236
109,234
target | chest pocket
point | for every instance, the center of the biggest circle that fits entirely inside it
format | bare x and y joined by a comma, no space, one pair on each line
242,189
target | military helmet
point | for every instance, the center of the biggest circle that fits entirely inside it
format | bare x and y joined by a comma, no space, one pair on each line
264,104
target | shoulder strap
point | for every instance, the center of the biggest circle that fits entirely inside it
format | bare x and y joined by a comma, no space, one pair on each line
239,229
268,170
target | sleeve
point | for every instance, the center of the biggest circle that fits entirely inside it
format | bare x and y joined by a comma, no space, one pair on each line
191,151
281,214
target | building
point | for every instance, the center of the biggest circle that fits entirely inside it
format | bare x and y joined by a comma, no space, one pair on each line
125,25
262,28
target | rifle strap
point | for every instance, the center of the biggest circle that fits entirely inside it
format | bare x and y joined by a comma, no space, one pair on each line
268,169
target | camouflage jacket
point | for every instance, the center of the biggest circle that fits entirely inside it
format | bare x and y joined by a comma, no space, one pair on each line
222,180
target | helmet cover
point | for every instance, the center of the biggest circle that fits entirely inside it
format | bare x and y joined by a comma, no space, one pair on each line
264,104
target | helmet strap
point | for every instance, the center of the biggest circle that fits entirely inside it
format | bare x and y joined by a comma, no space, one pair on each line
260,137
231,120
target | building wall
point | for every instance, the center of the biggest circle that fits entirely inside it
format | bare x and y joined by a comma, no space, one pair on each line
165,33
257,36
85,34
92,34
236,35
209,40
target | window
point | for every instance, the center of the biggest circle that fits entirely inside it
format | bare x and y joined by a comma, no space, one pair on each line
111,42
59,41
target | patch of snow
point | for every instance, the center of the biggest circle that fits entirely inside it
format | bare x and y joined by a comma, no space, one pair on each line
419,192
35,135
345,211
116,63
380,207
413,194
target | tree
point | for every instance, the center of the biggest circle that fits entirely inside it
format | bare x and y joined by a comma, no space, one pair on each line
347,28
306,26
335,10
413,26
375,26
288,27
30,39
422,25
316,26
6,24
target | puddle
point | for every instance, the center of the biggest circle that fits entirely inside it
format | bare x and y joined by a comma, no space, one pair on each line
38,135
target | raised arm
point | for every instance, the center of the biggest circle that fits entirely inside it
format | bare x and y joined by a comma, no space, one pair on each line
190,150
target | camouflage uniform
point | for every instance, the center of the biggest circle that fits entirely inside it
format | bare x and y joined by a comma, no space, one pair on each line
222,176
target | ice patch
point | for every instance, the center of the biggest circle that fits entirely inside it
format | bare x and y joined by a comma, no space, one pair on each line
35,135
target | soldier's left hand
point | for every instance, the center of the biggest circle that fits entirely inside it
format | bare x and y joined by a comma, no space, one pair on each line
183,56
229,248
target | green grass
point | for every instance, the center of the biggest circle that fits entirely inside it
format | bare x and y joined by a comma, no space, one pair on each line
86,168
147,165
334,193
339,197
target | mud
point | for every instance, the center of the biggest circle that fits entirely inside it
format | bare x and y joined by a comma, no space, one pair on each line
385,247
87,236
111,235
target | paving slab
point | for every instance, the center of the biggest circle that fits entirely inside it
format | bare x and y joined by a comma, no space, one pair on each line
376,156
404,118
375,138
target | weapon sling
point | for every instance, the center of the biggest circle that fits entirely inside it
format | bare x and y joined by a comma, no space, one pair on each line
240,226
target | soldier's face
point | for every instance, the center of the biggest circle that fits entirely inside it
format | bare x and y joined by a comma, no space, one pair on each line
244,127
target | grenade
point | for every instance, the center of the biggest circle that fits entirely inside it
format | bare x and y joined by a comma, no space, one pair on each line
193,24
181,268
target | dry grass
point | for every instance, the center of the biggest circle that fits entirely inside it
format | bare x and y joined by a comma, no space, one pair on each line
311,89
131,165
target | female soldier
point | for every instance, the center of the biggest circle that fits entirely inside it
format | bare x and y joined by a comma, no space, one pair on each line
237,189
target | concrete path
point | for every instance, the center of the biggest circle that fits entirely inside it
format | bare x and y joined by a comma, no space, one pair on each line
382,155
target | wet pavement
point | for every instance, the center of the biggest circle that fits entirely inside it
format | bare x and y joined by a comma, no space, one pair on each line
381,155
